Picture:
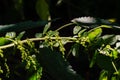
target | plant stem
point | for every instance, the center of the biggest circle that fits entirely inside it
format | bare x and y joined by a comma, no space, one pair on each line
36,39
115,67
64,26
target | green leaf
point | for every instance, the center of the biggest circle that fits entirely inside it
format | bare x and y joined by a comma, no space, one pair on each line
47,26
76,29
75,49
10,35
37,75
38,35
42,9
93,60
82,33
109,39
52,33
94,33
3,41
114,78
55,65
104,62
105,26
103,75
20,35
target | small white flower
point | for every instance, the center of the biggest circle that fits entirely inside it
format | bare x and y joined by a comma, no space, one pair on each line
84,20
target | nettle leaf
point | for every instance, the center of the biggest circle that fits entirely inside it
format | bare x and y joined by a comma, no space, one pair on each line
20,35
103,75
3,41
10,35
55,65
52,33
94,33
42,9
114,54
37,75
81,32
75,49
47,26
76,29
109,39
104,62
39,35
93,60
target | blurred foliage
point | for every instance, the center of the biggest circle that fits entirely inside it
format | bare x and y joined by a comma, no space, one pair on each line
38,41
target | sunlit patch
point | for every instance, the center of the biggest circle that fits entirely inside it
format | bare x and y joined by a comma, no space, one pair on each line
84,20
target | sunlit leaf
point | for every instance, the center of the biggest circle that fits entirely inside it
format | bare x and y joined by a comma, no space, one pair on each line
94,33
10,35
76,29
105,26
114,78
103,75
3,41
37,75
114,54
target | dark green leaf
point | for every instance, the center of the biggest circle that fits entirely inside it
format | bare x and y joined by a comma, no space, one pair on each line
37,75
109,39
22,26
93,60
42,9
20,35
104,62
75,49
57,67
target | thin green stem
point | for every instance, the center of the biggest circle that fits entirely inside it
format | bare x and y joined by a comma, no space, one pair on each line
115,67
66,25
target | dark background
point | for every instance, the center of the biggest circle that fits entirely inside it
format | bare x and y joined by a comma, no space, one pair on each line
66,10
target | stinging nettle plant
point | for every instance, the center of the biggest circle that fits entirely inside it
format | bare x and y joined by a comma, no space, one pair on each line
31,58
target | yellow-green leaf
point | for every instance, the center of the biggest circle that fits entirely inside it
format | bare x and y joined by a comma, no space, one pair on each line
94,33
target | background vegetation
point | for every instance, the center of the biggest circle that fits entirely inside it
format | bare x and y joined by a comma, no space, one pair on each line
39,42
